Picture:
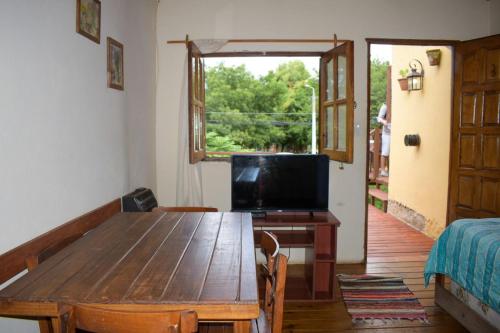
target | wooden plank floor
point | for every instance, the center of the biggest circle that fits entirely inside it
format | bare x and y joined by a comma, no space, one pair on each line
394,249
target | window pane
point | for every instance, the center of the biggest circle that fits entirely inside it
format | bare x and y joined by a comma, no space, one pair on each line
329,80
196,131
201,129
200,80
342,127
341,75
329,127
193,79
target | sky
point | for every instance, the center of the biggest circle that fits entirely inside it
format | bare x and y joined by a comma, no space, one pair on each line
381,52
260,66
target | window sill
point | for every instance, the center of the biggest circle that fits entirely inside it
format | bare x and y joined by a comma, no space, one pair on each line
217,159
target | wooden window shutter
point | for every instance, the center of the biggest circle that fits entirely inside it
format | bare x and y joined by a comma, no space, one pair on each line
336,118
196,96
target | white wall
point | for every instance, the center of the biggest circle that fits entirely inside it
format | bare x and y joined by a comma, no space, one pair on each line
349,19
140,100
68,144
494,17
419,175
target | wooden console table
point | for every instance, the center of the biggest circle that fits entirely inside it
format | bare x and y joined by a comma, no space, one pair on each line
318,236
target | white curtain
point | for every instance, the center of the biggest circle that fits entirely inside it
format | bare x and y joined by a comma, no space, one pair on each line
210,45
189,182
189,191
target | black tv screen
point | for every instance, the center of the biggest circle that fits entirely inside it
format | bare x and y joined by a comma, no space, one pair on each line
279,183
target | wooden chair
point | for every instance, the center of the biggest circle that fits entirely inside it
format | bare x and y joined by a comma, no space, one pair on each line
271,317
186,209
32,261
110,321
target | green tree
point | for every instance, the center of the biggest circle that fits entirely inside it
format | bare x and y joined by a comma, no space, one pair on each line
272,112
378,84
220,143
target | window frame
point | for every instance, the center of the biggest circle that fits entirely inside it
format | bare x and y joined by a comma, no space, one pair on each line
346,49
202,155
196,108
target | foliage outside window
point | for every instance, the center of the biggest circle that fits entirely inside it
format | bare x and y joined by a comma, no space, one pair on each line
231,111
271,113
378,73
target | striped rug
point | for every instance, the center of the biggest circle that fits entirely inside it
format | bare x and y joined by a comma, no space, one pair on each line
369,297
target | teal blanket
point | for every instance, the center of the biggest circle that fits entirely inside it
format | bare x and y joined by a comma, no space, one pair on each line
468,251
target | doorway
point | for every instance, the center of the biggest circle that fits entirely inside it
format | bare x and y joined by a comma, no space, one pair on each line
408,140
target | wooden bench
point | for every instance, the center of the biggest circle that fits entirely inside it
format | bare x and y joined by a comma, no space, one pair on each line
27,255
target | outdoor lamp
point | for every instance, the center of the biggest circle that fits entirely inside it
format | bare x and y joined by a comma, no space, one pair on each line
416,77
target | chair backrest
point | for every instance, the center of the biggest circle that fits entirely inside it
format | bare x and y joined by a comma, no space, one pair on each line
276,266
110,321
186,209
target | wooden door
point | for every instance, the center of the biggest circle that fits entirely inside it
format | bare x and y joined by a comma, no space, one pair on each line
475,160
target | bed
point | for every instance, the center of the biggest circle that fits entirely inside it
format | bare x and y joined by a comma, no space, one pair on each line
468,252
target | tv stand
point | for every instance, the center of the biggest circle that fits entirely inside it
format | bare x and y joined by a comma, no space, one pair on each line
318,236
259,215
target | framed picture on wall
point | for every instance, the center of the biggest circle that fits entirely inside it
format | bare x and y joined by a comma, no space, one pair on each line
88,19
115,64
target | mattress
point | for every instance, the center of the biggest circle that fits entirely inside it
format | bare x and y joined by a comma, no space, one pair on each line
483,310
468,251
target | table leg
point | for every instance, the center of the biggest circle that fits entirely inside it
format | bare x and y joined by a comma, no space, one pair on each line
65,323
242,326
44,325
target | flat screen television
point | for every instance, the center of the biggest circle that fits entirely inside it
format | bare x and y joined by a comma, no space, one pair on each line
266,183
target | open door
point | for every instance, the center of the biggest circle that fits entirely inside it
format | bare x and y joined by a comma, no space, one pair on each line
475,155
336,118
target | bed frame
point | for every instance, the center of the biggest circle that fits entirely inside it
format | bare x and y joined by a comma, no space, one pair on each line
458,310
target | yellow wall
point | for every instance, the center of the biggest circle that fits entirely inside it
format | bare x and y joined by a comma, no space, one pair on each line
419,175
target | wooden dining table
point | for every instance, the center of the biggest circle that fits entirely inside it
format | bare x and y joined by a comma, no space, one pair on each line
148,262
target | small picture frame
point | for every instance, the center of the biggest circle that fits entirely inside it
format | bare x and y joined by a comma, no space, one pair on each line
115,64
88,19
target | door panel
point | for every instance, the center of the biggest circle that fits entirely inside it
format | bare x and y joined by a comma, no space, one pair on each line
468,114
491,114
475,160
466,192
491,151
471,68
467,150
490,195
493,65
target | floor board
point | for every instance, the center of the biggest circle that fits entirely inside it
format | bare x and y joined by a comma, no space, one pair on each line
394,249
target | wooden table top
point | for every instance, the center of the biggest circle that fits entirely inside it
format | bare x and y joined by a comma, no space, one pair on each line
296,219
161,261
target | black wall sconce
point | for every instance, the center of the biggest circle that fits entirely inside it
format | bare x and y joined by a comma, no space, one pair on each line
416,77
412,140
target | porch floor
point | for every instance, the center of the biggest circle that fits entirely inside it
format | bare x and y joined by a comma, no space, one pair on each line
394,249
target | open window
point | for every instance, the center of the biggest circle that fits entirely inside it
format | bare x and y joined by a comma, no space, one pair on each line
196,95
336,105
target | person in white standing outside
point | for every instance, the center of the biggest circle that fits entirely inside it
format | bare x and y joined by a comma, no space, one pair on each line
386,140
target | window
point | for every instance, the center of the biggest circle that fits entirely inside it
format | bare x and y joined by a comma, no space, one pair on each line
274,114
337,103
196,95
